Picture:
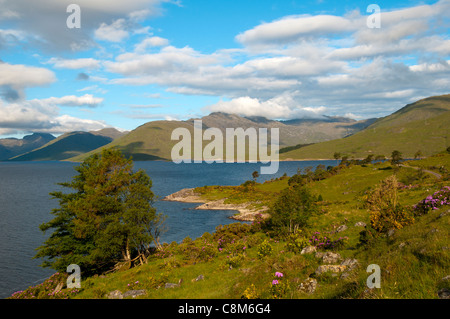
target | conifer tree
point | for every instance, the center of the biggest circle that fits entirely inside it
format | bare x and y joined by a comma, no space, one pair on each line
108,217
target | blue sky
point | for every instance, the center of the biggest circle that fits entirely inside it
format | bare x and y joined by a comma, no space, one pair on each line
136,61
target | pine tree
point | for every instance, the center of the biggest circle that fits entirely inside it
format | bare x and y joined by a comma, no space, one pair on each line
107,218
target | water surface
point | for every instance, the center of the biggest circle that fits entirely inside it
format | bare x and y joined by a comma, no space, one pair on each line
25,204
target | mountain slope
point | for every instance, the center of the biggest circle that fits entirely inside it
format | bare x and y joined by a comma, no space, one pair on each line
292,132
152,141
10,147
423,125
68,145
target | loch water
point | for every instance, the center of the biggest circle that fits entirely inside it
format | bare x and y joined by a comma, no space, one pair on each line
25,203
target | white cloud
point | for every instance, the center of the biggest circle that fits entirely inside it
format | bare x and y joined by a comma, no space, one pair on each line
392,94
352,116
327,60
82,63
169,59
442,66
72,100
416,12
19,75
67,123
11,37
94,88
115,32
286,68
15,78
43,116
44,22
280,107
139,15
293,66
294,28
149,43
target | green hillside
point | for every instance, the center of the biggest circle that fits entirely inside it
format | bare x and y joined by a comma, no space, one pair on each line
65,146
150,141
423,125
241,261
10,147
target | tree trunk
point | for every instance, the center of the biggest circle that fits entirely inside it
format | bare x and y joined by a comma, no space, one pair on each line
126,252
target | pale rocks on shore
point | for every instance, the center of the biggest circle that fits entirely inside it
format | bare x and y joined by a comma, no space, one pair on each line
187,195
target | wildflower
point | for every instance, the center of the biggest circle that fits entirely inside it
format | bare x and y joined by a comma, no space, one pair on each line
278,274
274,282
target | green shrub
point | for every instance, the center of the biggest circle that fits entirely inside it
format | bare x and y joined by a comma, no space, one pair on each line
264,249
296,179
226,234
296,242
292,210
322,241
200,250
385,211
279,286
235,261
257,223
47,289
391,218
206,252
367,237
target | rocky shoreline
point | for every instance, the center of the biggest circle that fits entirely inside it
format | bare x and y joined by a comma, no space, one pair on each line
188,195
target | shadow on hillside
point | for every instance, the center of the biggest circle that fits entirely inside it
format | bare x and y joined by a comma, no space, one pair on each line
136,151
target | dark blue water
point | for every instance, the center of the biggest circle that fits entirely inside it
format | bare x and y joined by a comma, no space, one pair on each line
25,204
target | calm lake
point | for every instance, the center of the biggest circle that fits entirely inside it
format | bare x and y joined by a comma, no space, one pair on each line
25,204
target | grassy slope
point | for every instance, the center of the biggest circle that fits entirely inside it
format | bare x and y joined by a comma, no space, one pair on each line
10,147
150,141
413,261
65,146
423,125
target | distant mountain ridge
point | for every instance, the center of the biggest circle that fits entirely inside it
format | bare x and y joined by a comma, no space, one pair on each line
10,147
69,145
420,126
292,132
152,141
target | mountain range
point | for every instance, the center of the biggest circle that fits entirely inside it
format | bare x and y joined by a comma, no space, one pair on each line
152,141
10,147
420,126
68,145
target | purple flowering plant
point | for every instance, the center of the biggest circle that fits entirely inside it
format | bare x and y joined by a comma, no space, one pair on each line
322,241
432,202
